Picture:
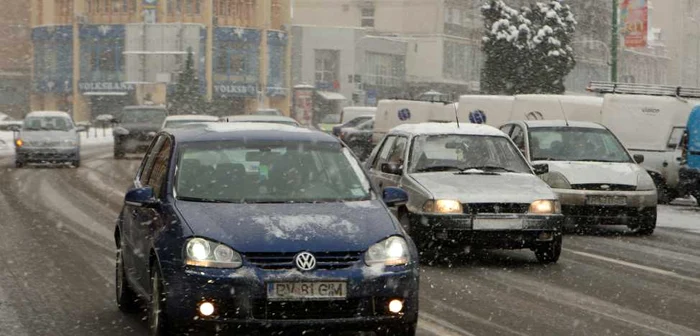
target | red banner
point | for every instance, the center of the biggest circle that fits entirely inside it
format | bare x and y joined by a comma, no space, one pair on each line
634,19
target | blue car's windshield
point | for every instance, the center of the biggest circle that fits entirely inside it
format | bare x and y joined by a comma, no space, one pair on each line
269,173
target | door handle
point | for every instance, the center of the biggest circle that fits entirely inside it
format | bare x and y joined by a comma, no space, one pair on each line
134,213
665,164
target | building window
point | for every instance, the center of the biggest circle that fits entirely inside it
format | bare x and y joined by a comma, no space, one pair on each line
460,61
102,61
384,69
187,7
326,68
236,62
367,17
111,6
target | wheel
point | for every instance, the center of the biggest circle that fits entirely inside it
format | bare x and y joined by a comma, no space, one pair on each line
19,164
157,315
549,252
76,163
118,154
405,330
646,223
127,300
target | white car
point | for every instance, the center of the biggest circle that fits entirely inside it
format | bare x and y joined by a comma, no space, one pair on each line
176,121
597,180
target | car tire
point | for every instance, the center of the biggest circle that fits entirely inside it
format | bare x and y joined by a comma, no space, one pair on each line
158,322
127,300
404,330
118,154
549,253
76,163
19,164
646,223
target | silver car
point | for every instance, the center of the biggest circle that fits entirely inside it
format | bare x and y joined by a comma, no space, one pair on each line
48,137
469,187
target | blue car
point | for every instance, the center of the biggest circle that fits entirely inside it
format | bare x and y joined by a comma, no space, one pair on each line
303,242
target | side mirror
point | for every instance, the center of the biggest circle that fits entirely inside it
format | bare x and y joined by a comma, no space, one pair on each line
391,168
541,168
141,197
638,158
393,196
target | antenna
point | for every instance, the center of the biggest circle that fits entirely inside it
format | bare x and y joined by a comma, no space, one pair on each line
563,112
456,115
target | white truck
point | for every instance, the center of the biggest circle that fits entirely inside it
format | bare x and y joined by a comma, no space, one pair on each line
555,107
393,112
650,120
496,109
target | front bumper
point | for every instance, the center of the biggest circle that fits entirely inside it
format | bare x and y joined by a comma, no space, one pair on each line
507,231
49,154
240,297
689,181
576,205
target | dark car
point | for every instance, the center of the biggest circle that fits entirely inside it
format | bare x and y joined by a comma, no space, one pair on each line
136,127
303,242
359,138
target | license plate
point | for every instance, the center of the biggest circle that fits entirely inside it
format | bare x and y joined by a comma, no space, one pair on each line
498,224
306,290
606,200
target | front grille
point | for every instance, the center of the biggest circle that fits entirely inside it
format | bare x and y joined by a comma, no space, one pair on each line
324,260
491,208
292,310
599,186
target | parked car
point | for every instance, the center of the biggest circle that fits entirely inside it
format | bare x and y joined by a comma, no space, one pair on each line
175,121
359,138
469,187
304,242
262,119
351,112
136,127
598,181
351,123
48,137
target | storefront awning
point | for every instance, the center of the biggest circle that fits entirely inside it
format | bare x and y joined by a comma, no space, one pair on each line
327,95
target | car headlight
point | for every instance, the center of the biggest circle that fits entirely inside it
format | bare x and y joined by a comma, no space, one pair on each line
204,253
443,207
645,182
120,131
392,251
545,207
556,180
19,143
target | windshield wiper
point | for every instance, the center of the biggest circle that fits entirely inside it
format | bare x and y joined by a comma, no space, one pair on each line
488,168
545,159
201,200
599,160
437,169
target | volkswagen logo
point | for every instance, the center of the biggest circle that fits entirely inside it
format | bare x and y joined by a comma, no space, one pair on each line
305,261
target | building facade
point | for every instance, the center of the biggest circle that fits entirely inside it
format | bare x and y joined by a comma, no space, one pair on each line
15,63
92,57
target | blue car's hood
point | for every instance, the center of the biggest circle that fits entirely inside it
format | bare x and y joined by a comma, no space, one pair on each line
351,226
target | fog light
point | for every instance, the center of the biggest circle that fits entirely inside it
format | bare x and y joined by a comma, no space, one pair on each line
395,306
206,308
544,236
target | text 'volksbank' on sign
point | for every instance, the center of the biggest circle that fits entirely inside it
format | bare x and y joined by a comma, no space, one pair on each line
105,86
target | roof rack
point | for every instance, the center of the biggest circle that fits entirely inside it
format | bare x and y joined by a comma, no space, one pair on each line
644,89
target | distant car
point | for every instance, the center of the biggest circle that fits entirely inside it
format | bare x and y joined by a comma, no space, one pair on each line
469,187
263,119
176,121
267,112
303,243
48,137
328,122
359,138
351,123
136,127
597,179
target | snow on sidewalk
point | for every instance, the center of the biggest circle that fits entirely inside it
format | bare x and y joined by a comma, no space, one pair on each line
95,136
686,218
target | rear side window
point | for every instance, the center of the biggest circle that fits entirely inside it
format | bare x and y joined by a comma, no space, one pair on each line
156,180
675,138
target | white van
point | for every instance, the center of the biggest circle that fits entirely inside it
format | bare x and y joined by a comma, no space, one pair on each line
651,126
394,112
496,109
351,112
551,107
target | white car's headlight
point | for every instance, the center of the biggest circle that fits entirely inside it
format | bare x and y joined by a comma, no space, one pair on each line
545,207
556,180
392,251
204,253
443,207
645,182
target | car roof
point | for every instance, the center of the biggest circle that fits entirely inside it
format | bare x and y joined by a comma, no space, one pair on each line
248,131
249,117
433,128
48,114
191,117
144,107
562,123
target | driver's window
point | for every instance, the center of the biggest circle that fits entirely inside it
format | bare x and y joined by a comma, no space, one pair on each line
148,161
383,156
160,168
675,138
398,152
518,136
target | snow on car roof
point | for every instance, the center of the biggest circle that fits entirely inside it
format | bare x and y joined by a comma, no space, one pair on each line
48,114
192,117
448,128
581,99
253,126
562,123
243,118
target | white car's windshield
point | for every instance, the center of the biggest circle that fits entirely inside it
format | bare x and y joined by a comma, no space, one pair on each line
576,144
284,173
47,124
465,152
